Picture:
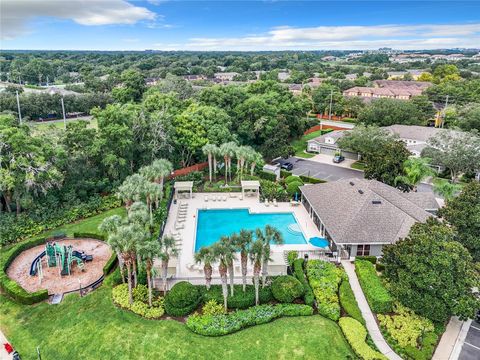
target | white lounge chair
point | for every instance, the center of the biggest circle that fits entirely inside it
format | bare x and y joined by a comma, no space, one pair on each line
179,226
241,197
275,202
219,198
206,198
224,197
267,203
183,212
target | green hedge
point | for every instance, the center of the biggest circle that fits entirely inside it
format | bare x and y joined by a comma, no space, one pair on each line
356,334
267,175
311,180
324,278
182,299
240,299
298,272
12,288
286,289
348,302
377,295
284,173
372,259
218,325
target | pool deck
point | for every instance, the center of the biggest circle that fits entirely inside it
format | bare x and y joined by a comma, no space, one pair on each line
185,260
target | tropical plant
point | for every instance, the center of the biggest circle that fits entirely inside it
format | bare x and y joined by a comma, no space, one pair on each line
227,150
162,168
415,170
168,248
206,256
222,253
242,243
132,189
210,150
267,236
446,189
109,226
148,251
256,256
229,253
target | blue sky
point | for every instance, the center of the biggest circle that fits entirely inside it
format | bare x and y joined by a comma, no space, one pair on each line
238,25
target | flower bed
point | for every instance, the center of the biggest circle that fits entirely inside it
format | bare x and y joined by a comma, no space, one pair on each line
218,325
240,299
324,278
377,295
356,334
140,302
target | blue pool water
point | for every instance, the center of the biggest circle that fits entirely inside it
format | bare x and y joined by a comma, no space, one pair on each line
212,224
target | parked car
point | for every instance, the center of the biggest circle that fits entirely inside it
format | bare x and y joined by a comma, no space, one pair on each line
287,166
338,159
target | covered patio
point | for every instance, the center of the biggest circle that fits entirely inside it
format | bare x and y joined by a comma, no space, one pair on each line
183,187
251,186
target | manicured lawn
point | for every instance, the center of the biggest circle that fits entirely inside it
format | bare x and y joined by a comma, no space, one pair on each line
301,144
93,328
359,165
92,124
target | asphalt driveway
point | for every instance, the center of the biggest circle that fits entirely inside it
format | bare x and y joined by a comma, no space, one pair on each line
471,346
322,171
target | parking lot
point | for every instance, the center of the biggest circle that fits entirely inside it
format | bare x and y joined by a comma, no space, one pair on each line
322,171
471,346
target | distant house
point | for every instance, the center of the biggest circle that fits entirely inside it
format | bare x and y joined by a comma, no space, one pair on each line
415,137
225,76
329,58
391,89
283,75
358,216
327,144
295,89
152,81
195,77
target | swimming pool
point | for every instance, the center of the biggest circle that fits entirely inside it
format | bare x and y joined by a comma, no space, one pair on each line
213,224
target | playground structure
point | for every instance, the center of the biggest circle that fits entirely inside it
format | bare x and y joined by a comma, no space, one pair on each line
61,266
60,256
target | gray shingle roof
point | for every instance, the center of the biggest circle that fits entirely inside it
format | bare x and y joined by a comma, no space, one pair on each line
352,214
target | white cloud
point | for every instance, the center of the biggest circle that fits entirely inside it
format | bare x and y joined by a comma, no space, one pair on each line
16,14
348,37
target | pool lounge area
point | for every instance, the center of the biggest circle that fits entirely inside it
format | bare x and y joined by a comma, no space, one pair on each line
209,220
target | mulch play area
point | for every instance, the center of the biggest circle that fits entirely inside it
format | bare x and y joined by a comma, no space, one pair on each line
52,280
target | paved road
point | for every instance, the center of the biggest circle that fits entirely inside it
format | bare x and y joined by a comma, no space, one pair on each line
471,346
322,171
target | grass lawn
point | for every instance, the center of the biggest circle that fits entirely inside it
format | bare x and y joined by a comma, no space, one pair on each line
301,144
39,126
359,165
93,328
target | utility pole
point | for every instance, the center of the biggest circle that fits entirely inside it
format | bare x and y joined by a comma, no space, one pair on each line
330,109
64,117
443,116
18,105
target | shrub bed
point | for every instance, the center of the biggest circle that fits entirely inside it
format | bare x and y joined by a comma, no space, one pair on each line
409,334
349,303
286,289
218,325
308,296
267,175
377,295
140,302
324,278
240,299
372,259
356,334
182,299
271,190
311,180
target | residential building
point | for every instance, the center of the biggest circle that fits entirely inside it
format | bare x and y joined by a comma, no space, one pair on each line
392,89
195,77
359,217
327,144
295,89
283,75
329,58
409,58
225,76
400,74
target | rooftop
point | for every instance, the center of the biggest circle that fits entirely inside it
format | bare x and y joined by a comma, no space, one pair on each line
360,211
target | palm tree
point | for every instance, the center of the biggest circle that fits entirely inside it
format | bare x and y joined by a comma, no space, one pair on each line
256,256
138,215
230,250
206,256
110,226
256,159
446,189
168,248
242,153
148,251
416,169
269,235
210,150
220,252
132,189
228,150
162,168
242,243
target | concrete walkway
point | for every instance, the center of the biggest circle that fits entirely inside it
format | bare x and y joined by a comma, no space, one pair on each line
3,353
367,314
448,340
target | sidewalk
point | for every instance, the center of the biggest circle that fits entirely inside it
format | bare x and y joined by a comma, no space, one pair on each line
3,353
367,314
